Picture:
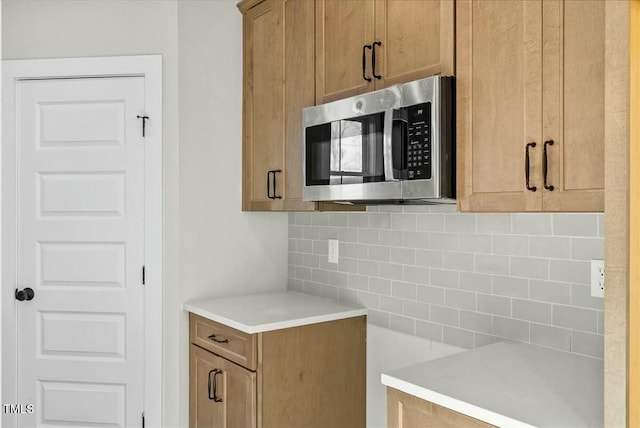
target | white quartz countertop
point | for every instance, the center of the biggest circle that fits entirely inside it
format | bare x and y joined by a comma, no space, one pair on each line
257,313
511,384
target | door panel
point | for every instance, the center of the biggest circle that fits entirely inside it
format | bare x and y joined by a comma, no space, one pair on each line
80,247
574,58
233,386
263,103
342,29
499,70
417,40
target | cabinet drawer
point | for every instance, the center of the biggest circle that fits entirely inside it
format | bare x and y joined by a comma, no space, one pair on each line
232,344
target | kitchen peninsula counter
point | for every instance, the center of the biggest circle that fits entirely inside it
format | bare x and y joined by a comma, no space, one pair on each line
510,384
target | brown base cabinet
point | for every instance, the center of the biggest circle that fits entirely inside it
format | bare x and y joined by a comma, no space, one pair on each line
407,411
311,376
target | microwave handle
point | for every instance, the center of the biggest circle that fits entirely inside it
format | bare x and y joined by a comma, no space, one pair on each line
387,146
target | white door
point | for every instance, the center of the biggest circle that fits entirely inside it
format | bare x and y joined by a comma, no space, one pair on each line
80,238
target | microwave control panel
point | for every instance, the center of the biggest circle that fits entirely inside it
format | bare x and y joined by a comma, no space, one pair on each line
419,150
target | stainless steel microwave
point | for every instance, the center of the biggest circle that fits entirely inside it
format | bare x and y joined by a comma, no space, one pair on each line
395,145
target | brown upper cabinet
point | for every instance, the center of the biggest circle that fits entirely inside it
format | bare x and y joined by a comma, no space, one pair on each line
366,45
278,49
530,116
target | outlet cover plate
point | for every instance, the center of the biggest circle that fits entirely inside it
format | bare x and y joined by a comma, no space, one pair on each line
333,251
597,278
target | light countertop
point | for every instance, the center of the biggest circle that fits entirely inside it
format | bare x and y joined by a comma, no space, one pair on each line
257,313
511,384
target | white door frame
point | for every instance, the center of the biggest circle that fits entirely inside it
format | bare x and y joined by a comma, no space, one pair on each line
149,67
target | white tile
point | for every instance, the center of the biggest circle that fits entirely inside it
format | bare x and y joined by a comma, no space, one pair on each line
494,223
433,295
510,286
379,253
570,271
587,248
531,311
475,282
444,278
444,241
460,299
404,222
531,224
475,321
402,324
457,337
417,310
405,256
404,290
368,236
459,261
511,329
550,247
444,315
512,245
416,274
529,267
552,337
575,318
431,222
497,264
460,223
380,220
415,239
575,225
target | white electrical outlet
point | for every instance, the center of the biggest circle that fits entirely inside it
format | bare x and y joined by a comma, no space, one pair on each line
597,278
333,251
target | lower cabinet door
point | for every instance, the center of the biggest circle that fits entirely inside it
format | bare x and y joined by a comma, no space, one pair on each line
222,394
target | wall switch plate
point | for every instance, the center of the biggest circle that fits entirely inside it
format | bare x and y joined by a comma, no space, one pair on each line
597,278
333,251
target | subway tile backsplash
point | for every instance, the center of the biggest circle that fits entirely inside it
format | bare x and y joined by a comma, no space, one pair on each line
463,279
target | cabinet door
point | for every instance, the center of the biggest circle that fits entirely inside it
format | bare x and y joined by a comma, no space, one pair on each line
263,104
574,94
499,95
417,39
222,394
299,93
343,28
404,410
203,411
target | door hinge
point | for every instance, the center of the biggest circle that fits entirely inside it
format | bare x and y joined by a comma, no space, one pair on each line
142,419
143,275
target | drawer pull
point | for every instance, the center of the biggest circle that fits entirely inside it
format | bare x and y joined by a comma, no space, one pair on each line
213,395
215,339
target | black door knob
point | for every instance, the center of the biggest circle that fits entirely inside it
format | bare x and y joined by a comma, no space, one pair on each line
26,294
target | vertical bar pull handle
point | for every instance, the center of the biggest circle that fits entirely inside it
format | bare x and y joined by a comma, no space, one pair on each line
526,167
373,60
545,166
269,185
275,184
364,62
213,392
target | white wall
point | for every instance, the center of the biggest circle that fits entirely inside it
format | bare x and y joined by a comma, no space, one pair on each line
210,246
222,250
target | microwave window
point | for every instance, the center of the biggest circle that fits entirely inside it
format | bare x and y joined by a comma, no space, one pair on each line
345,151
